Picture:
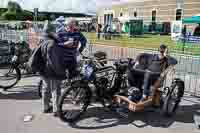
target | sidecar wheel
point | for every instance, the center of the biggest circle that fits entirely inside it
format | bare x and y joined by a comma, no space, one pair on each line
173,98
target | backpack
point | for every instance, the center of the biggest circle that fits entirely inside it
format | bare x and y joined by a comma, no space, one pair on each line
36,61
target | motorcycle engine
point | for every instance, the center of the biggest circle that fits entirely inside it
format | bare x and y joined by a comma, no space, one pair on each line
101,85
102,82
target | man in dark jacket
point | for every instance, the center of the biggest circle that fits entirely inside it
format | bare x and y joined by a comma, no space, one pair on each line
147,70
59,51
158,65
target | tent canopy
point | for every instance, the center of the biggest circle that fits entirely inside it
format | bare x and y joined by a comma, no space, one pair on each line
193,19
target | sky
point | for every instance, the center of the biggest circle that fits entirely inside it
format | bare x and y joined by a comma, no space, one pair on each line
78,6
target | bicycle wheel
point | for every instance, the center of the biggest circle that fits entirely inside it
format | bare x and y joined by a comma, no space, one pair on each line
9,76
173,98
73,103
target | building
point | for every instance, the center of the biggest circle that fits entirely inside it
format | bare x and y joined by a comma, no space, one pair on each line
151,11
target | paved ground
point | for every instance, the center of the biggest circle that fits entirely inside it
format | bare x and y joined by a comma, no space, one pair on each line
23,100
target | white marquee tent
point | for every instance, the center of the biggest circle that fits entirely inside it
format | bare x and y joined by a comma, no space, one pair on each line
75,6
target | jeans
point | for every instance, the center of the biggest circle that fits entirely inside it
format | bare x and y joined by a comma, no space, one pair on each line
149,79
137,78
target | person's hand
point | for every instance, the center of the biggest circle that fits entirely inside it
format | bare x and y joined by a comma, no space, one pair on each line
136,64
147,70
81,50
69,43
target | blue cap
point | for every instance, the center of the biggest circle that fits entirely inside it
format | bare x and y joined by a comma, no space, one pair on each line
60,19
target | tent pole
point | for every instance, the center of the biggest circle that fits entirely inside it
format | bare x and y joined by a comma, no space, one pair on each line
184,38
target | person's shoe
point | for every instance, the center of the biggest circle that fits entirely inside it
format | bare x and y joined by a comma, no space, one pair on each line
55,114
49,110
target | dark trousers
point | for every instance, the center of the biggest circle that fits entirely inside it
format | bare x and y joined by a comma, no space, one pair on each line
149,79
137,78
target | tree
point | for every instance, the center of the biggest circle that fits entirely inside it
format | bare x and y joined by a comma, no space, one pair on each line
3,10
14,7
9,16
15,12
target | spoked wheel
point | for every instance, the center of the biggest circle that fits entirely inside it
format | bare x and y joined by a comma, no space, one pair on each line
73,103
9,76
173,98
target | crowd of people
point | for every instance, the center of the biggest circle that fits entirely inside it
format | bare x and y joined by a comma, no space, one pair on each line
107,31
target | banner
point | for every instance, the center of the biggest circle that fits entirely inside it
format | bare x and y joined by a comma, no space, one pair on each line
190,39
176,30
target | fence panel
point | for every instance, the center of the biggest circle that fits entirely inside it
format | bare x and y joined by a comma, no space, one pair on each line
188,67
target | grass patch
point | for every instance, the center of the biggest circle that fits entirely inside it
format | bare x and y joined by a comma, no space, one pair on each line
146,41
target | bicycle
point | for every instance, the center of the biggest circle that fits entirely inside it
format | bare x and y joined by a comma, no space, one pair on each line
107,81
99,56
10,72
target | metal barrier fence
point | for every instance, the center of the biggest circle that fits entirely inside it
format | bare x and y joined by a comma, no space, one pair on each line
17,35
188,67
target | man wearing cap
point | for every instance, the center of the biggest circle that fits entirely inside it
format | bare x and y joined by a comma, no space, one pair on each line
158,64
60,51
147,70
51,80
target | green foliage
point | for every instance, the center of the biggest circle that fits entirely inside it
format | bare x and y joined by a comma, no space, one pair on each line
9,16
42,17
14,7
25,15
17,16
15,12
3,10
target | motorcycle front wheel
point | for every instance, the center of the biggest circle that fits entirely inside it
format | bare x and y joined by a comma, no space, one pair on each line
73,103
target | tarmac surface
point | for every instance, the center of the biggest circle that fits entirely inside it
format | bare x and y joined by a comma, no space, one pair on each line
23,100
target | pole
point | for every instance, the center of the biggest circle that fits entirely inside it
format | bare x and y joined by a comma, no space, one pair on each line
35,15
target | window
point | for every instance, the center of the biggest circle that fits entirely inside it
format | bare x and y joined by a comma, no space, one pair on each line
111,19
135,14
121,14
105,19
178,14
154,16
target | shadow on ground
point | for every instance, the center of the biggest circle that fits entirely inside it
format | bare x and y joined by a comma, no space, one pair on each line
28,92
99,118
